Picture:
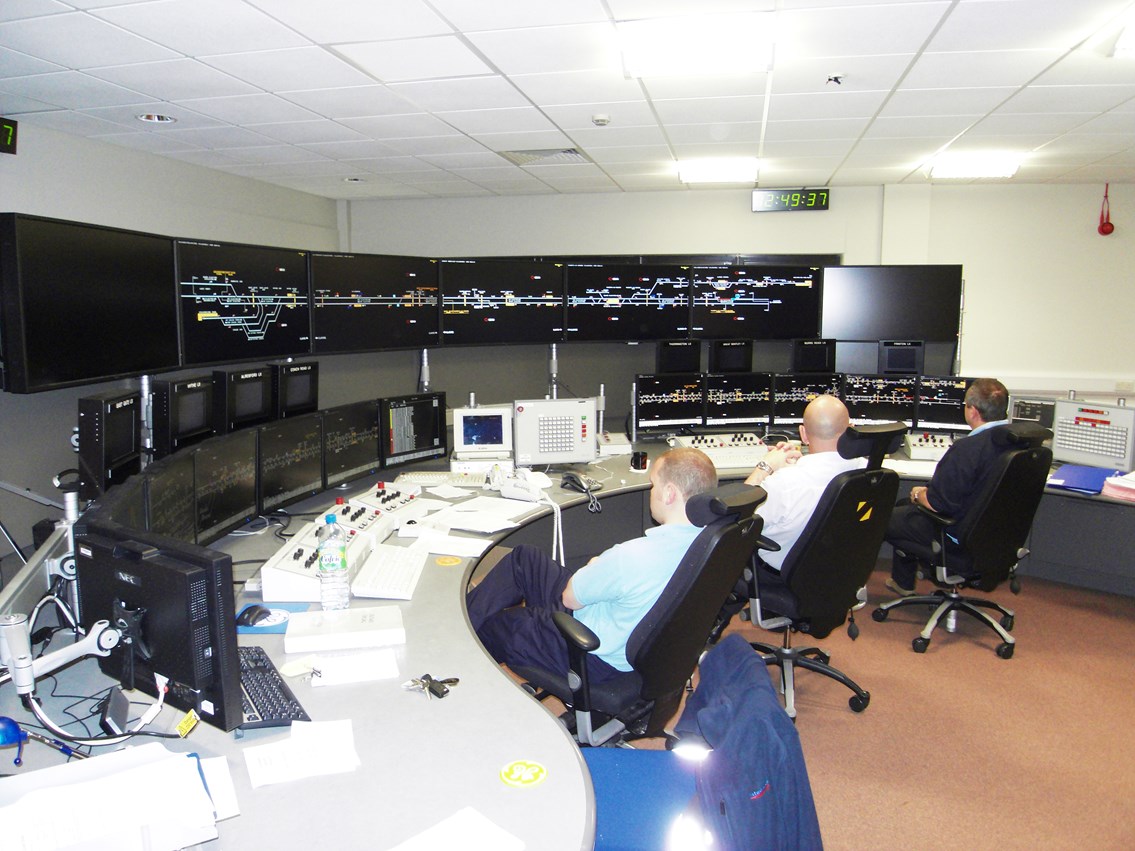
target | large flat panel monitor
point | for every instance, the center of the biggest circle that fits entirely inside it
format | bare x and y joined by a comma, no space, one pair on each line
81,303
412,428
738,399
892,303
171,497
365,302
792,393
668,402
874,399
240,302
758,302
941,403
182,412
289,461
501,301
175,601
224,476
350,441
620,302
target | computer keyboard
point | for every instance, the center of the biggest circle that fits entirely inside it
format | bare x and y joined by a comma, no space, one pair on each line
739,451
265,697
390,572
437,478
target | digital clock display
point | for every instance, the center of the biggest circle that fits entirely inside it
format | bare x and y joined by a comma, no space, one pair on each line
786,200
8,130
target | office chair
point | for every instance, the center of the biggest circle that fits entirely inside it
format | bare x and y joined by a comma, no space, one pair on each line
821,577
984,549
664,648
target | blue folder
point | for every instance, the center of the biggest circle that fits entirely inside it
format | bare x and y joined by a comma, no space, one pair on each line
1076,477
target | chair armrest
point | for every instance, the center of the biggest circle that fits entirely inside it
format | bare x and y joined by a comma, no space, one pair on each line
577,634
580,641
940,519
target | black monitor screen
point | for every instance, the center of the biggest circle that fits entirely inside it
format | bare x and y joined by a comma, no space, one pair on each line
501,301
170,497
224,478
880,398
125,503
412,428
615,302
242,397
350,441
669,401
941,402
892,303
295,388
792,393
242,301
363,302
738,399
290,461
193,410
83,303
757,302
121,434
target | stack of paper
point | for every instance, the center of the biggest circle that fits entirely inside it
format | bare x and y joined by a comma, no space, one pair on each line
1120,487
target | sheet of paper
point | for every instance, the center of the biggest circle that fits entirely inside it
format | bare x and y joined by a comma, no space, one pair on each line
314,748
474,831
440,543
354,667
449,492
510,509
481,522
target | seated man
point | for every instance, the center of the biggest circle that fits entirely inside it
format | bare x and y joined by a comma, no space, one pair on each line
610,594
957,479
795,482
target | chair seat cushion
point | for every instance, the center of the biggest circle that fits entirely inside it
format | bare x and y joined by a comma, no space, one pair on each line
609,697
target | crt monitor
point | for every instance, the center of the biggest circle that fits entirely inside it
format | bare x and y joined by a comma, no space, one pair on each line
412,428
792,393
678,356
241,398
941,400
872,399
672,401
289,461
182,412
484,432
295,388
350,441
110,448
737,399
900,357
224,479
731,356
174,602
813,355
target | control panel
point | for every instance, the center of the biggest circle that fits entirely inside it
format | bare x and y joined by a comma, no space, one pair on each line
927,446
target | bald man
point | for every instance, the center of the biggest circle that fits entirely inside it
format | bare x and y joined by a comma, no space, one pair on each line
795,482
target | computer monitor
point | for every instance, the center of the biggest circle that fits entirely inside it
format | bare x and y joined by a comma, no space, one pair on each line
608,301
758,302
678,356
241,398
815,355
501,301
554,431
110,449
295,388
125,503
242,302
182,412
171,498
668,402
941,403
900,357
874,399
1033,409
792,393
738,399
412,428
224,480
289,461
731,356
350,441
174,601
892,302
482,432
365,302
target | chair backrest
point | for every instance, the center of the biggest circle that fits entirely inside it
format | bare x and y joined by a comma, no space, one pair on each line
838,548
998,521
665,646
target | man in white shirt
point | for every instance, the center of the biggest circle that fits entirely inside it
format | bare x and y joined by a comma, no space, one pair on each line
795,481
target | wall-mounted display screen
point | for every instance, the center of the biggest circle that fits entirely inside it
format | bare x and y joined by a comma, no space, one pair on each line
892,303
363,302
501,301
620,302
82,303
757,302
242,301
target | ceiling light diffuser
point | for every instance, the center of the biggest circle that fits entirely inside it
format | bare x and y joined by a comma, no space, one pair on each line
698,45
973,165
719,170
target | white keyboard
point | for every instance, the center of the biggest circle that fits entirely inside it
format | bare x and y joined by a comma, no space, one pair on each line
740,451
437,478
390,572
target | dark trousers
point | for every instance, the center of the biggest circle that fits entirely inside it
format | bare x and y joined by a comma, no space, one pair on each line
526,636
909,528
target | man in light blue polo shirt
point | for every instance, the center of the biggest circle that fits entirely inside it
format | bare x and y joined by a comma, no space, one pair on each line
610,594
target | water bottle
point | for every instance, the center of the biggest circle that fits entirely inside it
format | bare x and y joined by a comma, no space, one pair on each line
334,579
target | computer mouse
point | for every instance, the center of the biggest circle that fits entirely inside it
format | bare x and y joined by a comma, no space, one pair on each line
253,615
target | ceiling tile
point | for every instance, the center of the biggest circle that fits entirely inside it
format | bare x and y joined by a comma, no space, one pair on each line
173,79
827,105
580,87
65,121
14,10
70,89
354,102
127,116
249,109
290,69
308,132
510,14
597,139
1036,24
698,110
415,59
517,120
523,141
493,92
400,126
359,149
868,30
355,20
978,68
581,47
909,103
77,40
15,64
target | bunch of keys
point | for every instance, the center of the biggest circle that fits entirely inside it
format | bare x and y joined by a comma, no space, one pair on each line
431,687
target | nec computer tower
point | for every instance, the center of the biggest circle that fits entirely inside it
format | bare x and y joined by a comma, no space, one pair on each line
241,398
110,446
295,388
182,413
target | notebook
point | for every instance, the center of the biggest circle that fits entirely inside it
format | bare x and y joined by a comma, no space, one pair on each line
344,629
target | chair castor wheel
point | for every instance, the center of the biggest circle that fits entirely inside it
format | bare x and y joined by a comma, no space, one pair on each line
857,703
1005,650
1007,622
880,615
920,644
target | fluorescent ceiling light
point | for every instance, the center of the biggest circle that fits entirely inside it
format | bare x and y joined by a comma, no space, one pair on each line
698,45
719,170
967,165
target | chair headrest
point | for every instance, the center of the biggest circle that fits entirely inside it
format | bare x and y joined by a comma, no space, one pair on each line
1020,435
860,441
732,500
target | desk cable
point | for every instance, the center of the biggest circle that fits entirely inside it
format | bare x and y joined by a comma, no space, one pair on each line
557,529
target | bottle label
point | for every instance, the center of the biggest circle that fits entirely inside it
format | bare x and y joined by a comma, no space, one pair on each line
332,558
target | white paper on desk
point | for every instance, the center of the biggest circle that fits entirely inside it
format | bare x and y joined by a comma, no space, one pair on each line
481,522
358,667
449,492
67,805
509,509
440,543
314,748
466,828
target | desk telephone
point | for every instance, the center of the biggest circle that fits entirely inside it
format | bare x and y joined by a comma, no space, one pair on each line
573,481
524,484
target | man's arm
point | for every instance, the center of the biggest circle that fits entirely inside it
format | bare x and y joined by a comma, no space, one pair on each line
569,598
774,459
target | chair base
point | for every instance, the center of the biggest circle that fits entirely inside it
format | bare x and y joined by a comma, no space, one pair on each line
811,659
947,604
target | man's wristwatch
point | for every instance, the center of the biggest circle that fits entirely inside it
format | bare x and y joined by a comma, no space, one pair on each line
763,465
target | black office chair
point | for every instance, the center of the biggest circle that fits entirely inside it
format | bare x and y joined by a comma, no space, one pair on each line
820,579
984,549
664,648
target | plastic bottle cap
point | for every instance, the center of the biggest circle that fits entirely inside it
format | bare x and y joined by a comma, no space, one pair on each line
330,518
